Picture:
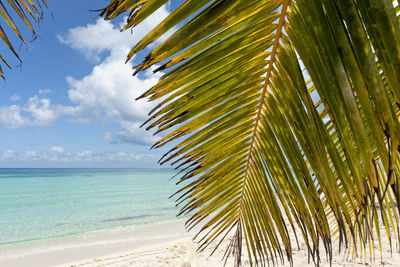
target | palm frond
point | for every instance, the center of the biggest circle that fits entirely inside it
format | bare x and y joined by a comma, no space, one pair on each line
284,115
29,12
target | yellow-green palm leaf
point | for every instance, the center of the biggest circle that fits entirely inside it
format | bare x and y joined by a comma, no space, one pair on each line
29,12
281,113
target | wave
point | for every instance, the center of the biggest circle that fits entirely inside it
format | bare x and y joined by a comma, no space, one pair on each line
128,218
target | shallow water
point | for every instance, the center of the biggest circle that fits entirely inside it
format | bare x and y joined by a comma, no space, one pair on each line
44,203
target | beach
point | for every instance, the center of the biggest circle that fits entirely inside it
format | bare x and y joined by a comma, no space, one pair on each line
112,217
159,244
65,251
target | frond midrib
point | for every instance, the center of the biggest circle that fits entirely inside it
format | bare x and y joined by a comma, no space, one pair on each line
264,92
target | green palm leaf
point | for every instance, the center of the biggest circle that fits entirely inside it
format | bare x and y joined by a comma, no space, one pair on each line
29,11
283,115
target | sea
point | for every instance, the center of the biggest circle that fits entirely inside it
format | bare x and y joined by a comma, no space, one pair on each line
38,204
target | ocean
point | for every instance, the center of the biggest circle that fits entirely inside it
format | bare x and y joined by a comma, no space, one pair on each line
40,204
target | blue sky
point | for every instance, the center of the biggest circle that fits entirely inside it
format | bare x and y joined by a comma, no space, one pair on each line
71,104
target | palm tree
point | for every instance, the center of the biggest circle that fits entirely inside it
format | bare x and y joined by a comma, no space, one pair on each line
279,111
283,116
29,12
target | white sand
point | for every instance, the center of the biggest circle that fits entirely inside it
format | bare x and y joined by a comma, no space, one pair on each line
163,244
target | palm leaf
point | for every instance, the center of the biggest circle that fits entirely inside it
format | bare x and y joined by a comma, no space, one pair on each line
29,12
283,115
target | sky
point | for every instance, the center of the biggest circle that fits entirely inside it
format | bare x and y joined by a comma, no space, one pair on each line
71,102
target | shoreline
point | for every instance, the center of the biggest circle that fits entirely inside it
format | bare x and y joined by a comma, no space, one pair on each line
158,244
99,243
72,234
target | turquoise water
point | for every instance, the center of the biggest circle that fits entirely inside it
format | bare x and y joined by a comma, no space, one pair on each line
45,203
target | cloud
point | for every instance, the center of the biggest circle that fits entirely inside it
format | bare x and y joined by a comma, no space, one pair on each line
15,97
10,117
132,133
107,136
94,39
7,155
57,149
41,111
88,156
90,39
37,111
107,94
29,155
110,91
44,92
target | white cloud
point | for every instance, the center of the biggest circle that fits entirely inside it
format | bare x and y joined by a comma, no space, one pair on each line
37,111
88,156
10,117
29,156
57,149
15,97
44,92
7,155
93,39
132,133
107,135
40,110
85,155
108,93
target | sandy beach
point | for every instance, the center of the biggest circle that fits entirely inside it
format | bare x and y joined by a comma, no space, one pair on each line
160,244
